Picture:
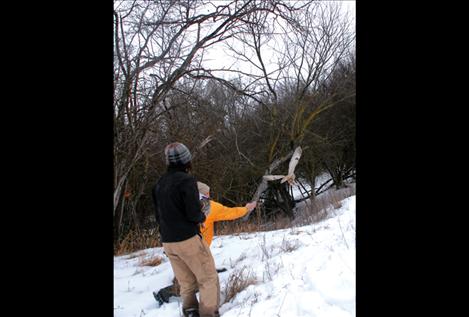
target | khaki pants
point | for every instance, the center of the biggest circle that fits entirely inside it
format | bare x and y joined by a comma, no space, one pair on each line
194,268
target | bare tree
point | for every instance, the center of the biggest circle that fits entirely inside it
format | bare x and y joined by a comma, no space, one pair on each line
157,44
164,89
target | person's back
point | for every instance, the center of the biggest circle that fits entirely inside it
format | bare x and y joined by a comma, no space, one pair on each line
178,210
179,215
214,212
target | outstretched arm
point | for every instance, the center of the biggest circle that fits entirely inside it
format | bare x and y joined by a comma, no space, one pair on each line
221,212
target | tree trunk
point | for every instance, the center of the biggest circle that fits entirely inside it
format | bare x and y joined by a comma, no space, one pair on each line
119,219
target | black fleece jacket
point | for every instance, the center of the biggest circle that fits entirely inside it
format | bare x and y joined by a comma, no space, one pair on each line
177,206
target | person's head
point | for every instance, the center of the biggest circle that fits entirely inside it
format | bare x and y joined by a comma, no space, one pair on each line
203,189
177,155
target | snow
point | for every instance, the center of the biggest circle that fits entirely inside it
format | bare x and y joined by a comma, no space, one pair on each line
301,271
299,192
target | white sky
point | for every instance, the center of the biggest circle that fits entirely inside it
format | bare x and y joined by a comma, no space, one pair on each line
218,58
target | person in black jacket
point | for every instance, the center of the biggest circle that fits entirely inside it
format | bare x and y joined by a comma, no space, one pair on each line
179,215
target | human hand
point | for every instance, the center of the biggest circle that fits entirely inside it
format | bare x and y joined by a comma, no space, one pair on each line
251,206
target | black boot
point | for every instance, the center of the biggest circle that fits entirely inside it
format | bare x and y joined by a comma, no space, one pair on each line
158,298
164,294
191,312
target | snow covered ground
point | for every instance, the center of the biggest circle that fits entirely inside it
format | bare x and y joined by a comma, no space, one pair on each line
300,192
302,271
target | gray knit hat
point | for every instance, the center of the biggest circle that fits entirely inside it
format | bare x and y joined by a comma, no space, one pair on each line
177,154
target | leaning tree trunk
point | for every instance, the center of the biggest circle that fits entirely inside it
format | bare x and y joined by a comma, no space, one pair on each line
119,217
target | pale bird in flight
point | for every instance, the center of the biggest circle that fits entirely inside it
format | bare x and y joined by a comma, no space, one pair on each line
290,177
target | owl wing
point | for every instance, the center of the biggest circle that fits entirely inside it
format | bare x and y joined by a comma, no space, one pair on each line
272,177
294,160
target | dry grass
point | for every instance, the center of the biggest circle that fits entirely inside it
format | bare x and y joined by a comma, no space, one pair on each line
136,240
153,261
136,255
279,222
266,252
313,212
271,269
289,246
242,257
295,231
320,208
252,225
236,227
238,281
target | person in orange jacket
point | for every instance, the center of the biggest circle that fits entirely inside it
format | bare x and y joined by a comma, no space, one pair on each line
214,212
217,212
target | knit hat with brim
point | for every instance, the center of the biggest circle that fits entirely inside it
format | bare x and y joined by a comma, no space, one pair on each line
177,154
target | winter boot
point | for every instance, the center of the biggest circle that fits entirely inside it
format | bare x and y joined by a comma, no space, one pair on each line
191,312
164,294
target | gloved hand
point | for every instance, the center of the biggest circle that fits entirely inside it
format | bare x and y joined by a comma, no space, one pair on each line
205,205
250,206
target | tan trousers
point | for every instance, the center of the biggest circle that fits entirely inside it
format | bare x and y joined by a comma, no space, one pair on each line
194,268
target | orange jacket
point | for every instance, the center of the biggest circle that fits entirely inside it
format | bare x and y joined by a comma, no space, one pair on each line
218,212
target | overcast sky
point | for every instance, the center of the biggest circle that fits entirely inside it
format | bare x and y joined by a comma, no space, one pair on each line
218,58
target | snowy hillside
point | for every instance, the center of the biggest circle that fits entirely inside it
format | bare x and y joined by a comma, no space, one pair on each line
303,271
